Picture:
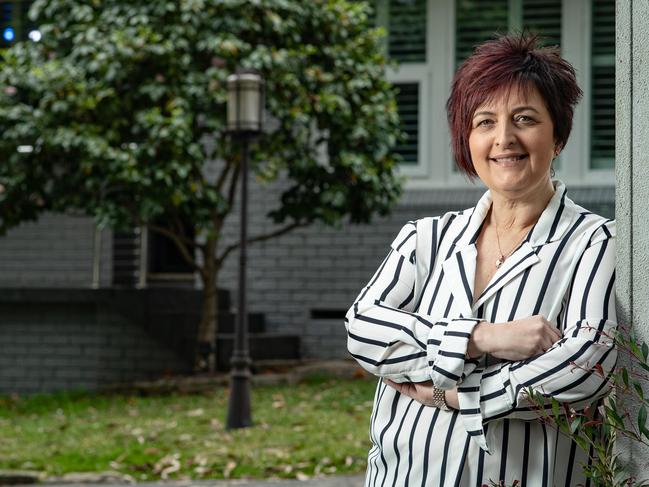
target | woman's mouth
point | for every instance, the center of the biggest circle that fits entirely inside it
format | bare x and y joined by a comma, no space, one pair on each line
508,160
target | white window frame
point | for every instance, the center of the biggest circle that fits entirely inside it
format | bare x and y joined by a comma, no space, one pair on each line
417,74
434,167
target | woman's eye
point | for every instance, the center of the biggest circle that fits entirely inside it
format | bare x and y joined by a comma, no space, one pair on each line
484,123
524,119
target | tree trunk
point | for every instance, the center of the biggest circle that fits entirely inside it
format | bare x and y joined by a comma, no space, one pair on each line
205,356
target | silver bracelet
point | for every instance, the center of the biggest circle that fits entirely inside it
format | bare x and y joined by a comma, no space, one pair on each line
439,399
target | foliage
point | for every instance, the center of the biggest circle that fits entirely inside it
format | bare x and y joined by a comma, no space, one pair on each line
316,427
124,103
595,429
119,113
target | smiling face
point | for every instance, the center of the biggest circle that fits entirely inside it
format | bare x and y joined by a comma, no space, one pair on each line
512,143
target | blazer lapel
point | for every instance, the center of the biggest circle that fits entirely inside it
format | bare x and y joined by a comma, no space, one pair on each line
462,263
462,260
524,257
551,226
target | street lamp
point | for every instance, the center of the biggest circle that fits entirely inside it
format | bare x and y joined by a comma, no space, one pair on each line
245,119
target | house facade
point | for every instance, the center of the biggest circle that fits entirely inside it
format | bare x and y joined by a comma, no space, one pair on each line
302,282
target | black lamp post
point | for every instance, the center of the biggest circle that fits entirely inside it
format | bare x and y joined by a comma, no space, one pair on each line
245,119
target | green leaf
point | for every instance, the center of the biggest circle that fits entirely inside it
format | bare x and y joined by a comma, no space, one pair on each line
582,442
574,426
614,417
642,417
638,389
556,408
625,377
606,430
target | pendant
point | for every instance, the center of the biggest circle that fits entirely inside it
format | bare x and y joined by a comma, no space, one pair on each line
499,262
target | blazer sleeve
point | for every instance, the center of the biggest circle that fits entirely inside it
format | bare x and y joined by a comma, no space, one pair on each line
570,370
390,339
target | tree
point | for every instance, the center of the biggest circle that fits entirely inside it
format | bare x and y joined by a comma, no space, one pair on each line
118,110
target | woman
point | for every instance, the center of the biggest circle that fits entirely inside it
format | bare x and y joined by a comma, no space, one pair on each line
470,309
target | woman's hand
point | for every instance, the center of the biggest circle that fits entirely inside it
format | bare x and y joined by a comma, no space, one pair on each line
422,392
450,396
518,339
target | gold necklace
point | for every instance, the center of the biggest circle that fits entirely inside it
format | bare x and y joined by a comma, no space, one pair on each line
501,259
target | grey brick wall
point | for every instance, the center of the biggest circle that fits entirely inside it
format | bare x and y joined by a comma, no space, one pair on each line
50,346
57,250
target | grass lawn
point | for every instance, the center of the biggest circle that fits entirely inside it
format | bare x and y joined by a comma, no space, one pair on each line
317,427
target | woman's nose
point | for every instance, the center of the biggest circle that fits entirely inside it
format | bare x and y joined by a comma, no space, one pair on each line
505,135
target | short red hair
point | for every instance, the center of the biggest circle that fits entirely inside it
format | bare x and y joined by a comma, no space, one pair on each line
499,65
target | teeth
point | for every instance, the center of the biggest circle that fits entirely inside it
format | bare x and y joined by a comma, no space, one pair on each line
509,159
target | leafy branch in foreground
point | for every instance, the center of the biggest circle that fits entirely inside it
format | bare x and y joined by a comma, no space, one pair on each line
595,428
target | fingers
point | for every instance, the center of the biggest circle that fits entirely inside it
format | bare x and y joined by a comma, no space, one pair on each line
548,342
530,337
554,331
550,335
404,388
419,391
394,385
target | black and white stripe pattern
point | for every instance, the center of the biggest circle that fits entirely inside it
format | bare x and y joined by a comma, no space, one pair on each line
413,320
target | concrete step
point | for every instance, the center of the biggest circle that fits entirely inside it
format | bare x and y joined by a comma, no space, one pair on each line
227,322
174,299
262,346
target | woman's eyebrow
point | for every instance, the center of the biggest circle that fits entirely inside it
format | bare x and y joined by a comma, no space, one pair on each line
515,110
483,113
526,107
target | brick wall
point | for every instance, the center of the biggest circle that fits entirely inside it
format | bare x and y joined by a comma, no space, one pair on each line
55,251
69,340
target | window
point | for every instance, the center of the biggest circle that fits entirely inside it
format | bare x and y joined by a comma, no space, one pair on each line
475,22
408,106
429,39
407,27
407,44
602,92
14,23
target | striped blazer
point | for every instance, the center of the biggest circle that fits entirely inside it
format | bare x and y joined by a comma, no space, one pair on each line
413,321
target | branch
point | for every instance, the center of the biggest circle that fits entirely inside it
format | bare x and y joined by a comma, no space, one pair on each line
178,228
180,242
259,238
179,236
229,163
